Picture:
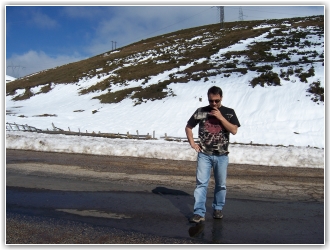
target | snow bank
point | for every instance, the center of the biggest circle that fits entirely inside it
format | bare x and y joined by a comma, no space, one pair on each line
304,157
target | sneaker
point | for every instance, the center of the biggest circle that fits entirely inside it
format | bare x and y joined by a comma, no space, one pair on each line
217,214
196,218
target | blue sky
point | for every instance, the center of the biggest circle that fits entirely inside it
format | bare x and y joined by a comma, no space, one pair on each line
39,36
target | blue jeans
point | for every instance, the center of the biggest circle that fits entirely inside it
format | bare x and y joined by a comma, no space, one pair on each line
205,163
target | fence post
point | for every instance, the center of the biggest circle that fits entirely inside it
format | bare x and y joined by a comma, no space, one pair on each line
165,135
28,127
153,134
137,132
10,126
17,126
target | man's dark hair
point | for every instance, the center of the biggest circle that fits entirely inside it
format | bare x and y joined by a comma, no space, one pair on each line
215,91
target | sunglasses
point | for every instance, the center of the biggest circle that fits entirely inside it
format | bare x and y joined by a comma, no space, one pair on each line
212,101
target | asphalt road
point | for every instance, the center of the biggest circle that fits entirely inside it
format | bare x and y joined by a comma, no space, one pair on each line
57,198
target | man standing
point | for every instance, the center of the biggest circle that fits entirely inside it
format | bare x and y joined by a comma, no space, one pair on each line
216,122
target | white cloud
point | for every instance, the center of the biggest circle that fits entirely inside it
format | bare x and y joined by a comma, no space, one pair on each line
132,24
83,12
41,20
36,61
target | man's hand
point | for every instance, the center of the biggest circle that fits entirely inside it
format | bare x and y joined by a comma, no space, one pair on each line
228,126
196,147
190,138
216,112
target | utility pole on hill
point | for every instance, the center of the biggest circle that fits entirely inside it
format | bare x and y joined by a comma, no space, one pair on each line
112,44
15,67
240,14
222,16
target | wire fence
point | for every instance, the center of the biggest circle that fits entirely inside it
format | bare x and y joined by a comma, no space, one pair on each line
56,130
19,127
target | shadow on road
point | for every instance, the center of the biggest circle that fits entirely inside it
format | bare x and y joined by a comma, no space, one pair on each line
172,196
195,230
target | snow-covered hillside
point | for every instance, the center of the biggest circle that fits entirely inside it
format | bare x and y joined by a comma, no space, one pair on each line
273,115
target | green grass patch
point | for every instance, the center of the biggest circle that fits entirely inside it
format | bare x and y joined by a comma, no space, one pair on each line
270,78
317,91
118,96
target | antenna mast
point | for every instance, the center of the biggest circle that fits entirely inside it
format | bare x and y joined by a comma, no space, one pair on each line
18,67
240,14
222,16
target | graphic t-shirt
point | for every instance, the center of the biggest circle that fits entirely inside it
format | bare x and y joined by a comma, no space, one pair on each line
214,138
